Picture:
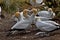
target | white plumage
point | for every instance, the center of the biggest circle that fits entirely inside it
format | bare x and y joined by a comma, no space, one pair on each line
39,1
46,25
46,14
23,24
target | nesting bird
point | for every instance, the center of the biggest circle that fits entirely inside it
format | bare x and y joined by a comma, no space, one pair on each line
46,14
47,26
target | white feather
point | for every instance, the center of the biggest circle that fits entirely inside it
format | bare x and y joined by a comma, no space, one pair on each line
46,14
46,25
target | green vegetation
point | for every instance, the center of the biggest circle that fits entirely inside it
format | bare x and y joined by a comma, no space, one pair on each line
11,6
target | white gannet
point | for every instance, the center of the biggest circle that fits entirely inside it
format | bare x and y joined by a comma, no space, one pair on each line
46,26
46,14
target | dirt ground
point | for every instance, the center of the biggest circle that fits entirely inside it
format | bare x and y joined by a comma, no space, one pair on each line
5,24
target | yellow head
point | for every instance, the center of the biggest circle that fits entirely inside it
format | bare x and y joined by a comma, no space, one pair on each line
25,11
17,14
34,10
50,9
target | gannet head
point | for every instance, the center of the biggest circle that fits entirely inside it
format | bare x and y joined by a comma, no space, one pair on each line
25,13
50,10
34,10
17,14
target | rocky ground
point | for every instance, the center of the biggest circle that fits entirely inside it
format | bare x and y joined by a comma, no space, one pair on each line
5,24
